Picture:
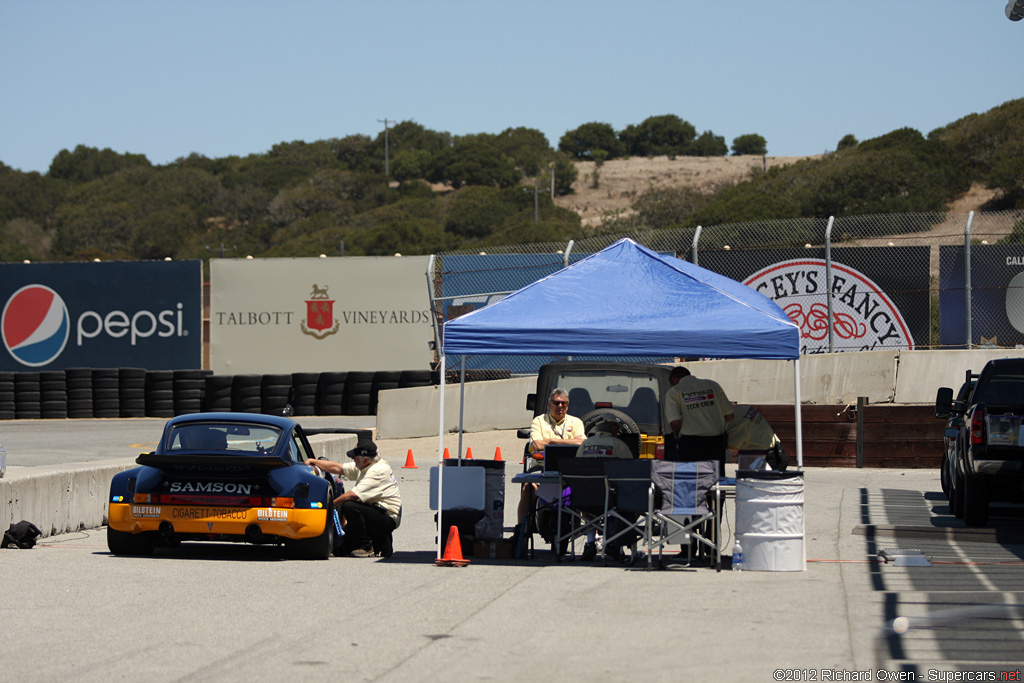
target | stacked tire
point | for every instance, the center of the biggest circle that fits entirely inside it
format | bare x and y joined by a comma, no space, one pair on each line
7,400
246,393
304,386
79,381
358,390
106,392
53,395
275,394
217,393
188,391
330,393
27,397
416,378
131,384
160,393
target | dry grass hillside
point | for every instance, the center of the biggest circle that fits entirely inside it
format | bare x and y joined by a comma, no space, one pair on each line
620,181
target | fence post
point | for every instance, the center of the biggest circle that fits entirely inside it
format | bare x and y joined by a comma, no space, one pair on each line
967,276
862,401
565,256
696,238
828,284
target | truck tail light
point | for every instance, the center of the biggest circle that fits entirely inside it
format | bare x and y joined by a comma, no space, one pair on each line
977,425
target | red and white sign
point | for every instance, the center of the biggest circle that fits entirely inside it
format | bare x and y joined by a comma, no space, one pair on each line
864,318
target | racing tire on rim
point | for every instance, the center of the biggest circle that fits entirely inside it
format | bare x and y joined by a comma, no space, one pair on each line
318,548
124,543
626,423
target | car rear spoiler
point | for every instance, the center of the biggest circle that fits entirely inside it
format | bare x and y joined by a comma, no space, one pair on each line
210,460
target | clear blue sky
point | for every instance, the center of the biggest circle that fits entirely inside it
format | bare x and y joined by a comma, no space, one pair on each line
167,78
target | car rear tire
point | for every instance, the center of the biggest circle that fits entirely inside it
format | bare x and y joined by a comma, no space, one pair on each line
944,474
956,501
124,543
319,548
626,424
975,497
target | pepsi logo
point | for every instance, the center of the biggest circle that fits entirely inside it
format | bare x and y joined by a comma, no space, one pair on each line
35,325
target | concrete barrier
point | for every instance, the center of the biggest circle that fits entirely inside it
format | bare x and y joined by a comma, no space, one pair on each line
63,498
904,377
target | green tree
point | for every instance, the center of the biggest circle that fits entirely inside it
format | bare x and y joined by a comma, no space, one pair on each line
847,142
476,212
751,143
582,142
474,160
88,163
659,135
707,145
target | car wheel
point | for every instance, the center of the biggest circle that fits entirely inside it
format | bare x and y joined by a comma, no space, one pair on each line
954,489
944,473
319,548
124,543
975,497
958,495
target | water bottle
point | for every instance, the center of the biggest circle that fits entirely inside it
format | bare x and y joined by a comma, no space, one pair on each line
737,557
3,461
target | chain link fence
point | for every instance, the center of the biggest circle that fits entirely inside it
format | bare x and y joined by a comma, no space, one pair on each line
901,281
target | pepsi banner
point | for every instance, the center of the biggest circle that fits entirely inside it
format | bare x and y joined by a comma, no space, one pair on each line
104,315
997,296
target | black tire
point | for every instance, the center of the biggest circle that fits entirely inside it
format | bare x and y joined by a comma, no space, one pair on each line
123,543
415,378
626,423
217,393
330,393
319,548
944,474
957,502
975,501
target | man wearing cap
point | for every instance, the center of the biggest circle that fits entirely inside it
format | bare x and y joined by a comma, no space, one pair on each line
604,442
372,508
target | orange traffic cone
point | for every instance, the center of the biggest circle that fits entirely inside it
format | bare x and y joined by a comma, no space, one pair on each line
410,464
452,551
446,456
469,454
497,454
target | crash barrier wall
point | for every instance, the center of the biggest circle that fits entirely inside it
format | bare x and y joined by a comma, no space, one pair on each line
136,392
834,381
890,277
64,498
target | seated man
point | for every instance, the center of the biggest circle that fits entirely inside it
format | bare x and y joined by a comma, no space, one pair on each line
373,508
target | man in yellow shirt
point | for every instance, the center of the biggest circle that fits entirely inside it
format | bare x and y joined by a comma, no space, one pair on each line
698,411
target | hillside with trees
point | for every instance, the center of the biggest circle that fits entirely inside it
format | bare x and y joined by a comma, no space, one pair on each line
439,192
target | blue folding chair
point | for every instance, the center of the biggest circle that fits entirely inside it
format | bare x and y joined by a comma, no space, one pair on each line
680,508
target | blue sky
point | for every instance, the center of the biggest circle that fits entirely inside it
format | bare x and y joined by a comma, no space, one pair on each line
230,77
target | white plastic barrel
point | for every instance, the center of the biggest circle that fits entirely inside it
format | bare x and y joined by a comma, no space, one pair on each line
770,521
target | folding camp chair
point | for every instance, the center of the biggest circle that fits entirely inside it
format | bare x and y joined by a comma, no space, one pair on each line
679,509
629,483
585,507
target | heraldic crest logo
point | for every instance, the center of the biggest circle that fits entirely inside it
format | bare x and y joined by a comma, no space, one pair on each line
319,320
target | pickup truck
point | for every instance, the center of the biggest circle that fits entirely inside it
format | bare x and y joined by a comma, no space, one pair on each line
987,454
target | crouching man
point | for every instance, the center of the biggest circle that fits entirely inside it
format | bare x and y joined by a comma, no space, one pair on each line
372,508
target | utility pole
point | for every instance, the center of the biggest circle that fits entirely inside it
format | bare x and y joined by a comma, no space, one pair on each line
387,171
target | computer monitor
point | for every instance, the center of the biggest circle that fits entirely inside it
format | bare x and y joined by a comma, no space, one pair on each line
553,453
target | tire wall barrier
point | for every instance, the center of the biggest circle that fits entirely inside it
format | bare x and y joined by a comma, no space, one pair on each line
137,392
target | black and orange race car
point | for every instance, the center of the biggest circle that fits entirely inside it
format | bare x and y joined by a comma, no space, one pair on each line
225,477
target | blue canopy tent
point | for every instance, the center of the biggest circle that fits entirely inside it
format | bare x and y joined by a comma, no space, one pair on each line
627,300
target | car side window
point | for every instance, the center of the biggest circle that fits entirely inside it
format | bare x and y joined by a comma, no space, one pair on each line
298,451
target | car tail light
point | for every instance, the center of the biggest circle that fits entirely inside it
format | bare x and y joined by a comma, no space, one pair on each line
279,502
977,426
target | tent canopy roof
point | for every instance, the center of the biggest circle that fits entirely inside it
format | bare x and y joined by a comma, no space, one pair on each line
627,300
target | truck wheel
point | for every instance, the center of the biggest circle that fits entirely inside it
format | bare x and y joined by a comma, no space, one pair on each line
956,495
944,474
975,497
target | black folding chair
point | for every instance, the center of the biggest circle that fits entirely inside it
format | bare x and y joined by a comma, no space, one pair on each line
585,506
629,483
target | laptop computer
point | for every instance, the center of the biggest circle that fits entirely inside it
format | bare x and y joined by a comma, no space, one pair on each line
553,453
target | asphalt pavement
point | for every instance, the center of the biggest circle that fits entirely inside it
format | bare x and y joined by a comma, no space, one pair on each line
228,612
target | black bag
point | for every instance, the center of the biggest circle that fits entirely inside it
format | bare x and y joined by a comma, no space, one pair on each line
23,535
777,458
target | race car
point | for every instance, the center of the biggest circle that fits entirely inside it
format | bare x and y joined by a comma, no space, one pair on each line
225,477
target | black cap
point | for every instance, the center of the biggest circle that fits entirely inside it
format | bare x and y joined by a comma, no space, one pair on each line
366,449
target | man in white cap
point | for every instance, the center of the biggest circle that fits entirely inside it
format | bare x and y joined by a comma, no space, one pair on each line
372,508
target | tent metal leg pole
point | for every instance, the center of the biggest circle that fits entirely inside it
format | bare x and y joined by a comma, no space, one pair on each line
799,423
440,457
